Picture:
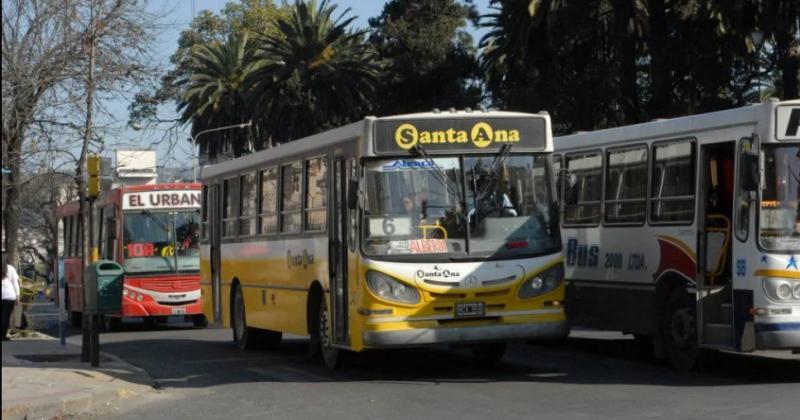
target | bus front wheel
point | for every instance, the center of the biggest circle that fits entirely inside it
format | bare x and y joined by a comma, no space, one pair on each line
330,355
680,330
244,336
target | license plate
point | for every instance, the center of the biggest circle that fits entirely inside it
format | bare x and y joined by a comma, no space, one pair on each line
178,311
470,309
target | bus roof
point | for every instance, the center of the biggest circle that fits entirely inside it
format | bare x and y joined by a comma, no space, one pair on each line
749,115
349,132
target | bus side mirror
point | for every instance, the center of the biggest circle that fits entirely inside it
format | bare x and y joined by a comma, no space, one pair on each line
749,172
352,194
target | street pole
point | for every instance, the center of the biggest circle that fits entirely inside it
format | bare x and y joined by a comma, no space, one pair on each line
210,130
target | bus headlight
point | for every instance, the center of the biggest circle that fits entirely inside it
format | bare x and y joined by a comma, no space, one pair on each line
543,282
389,288
781,289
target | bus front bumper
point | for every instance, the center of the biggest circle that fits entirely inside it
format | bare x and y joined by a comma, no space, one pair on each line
778,336
475,334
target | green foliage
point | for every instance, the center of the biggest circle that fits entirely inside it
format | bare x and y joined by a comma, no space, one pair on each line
604,63
429,60
214,93
314,74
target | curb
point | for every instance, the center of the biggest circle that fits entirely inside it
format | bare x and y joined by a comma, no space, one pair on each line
66,405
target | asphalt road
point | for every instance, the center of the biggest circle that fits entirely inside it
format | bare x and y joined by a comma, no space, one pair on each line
201,375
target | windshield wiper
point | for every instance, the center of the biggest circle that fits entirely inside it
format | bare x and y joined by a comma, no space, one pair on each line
153,217
452,187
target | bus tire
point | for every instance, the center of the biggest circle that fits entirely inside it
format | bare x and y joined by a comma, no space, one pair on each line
150,322
246,338
680,330
199,321
488,353
330,354
75,318
111,323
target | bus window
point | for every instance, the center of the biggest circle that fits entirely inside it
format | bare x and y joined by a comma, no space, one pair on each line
316,194
247,205
582,191
672,188
230,187
779,226
61,237
626,195
557,163
269,201
291,200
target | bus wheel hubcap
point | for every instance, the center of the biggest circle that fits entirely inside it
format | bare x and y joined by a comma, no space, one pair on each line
324,338
683,326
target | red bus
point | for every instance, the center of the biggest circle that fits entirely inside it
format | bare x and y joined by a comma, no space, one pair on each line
153,232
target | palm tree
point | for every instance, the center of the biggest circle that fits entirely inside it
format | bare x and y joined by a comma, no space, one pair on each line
215,94
315,74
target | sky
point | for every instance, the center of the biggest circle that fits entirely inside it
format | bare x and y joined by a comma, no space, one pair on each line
177,14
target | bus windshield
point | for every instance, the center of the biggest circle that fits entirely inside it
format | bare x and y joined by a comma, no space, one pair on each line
779,227
161,242
492,207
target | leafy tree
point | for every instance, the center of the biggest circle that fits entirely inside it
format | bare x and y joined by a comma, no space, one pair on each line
313,75
429,59
214,94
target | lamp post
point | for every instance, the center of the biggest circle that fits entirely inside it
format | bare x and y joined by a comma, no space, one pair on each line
758,40
210,130
138,127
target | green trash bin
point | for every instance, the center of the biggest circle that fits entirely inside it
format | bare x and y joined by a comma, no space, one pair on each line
102,287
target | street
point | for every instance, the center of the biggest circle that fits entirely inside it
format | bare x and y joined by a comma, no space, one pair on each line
199,373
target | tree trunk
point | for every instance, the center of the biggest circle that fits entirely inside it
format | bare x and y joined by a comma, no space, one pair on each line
661,98
11,214
625,51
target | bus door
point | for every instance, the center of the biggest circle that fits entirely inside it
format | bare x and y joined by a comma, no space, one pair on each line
714,274
214,208
337,255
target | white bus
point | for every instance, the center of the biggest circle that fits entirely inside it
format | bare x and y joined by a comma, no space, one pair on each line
686,231
389,232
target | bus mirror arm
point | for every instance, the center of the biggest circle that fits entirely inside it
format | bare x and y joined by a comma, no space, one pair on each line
352,194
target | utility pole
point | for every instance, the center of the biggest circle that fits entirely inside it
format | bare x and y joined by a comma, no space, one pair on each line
88,321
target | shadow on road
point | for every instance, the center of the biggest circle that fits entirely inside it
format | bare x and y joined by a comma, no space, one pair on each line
176,362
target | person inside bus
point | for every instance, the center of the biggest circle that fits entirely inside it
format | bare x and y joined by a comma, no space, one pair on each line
190,236
492,200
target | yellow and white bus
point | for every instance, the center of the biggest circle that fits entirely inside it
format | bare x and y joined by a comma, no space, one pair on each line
388,232
686,232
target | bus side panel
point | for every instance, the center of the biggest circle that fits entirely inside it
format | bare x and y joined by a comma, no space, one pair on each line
612,279
275,276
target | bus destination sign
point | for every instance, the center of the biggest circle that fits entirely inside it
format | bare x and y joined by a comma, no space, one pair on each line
460,135
150,200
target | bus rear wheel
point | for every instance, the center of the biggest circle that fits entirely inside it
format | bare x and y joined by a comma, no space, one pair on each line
111,323
680,330
246,338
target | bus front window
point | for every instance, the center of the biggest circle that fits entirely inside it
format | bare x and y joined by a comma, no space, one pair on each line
779,227
413,207
161,242
511,207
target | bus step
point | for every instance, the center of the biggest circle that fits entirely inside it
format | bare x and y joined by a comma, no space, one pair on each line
726,313
718,334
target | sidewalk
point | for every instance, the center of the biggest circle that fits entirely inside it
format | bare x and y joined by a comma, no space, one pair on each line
42,379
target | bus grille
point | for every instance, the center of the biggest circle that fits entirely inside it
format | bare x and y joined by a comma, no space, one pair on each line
177,285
